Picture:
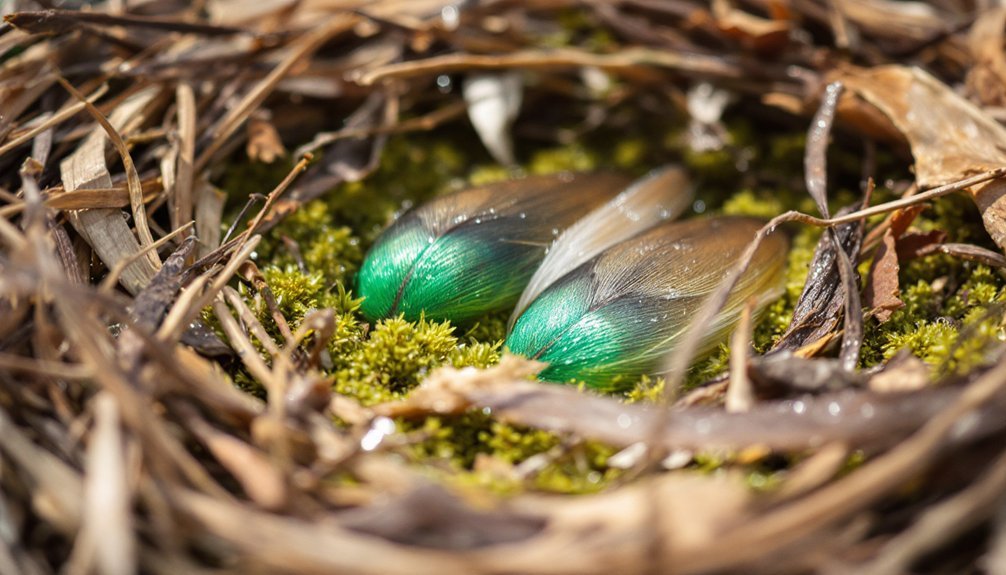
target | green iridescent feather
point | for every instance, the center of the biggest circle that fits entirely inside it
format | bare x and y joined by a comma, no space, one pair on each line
470,253
620,313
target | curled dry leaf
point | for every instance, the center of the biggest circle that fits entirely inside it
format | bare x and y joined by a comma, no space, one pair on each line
821,304
763,35
949,136
105,229
987,78
882,293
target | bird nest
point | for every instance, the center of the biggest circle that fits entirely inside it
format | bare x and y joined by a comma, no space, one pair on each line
186,383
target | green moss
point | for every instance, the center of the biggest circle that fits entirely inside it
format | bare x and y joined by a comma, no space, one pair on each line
459,441
574,158
393,359
646,390
949,319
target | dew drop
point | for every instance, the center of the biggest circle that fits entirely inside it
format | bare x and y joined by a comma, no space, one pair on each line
444,83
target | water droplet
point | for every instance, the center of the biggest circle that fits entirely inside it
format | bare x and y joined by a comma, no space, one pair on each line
867,410
624,420
699,207
799,407
834,408
451,16
379,429
444,83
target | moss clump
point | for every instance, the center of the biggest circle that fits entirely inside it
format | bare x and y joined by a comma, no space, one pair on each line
331,250
395,356
460,441
950,317
646,390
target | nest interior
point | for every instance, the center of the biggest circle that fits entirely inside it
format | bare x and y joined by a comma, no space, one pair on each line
188,189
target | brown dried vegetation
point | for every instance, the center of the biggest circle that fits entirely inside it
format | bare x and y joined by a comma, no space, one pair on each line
124,446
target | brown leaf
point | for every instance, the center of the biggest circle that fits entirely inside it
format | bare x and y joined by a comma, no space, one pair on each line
987,77
264,143
950,137
759,34
820,307
883,294
901,219
916,244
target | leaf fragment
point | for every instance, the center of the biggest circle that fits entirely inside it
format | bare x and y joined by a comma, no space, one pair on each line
950,137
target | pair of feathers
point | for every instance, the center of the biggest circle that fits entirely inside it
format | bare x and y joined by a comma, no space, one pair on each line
604,282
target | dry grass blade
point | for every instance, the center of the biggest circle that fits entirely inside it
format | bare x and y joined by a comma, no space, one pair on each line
104,229
132,177
282,544
56,21
862,418
57,488
240,112
968,252
56,119
185,175
108,532
627,59
815,160
740,395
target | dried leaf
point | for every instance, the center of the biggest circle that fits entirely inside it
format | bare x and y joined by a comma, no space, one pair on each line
264,144
816,177
760,34
819,309
153,302
882,292
916,244
949,136
987,77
